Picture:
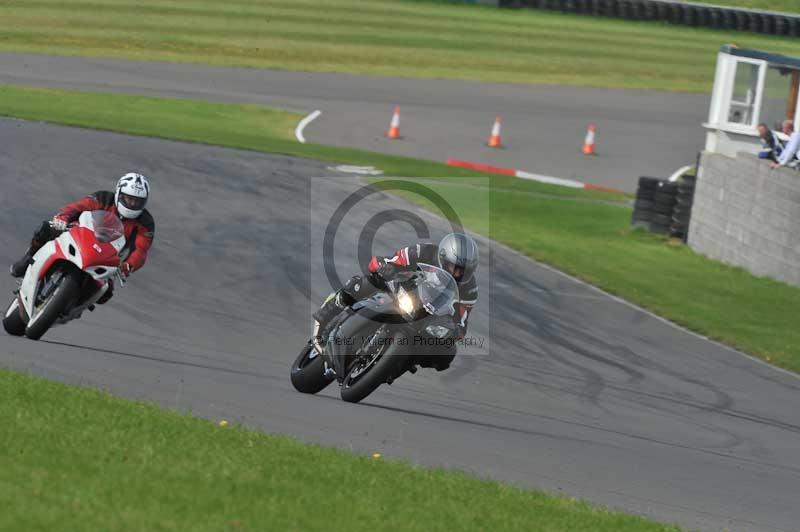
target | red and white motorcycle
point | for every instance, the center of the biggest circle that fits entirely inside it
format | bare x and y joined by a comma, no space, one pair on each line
67,275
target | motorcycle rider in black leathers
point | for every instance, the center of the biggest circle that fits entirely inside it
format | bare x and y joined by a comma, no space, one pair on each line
457,253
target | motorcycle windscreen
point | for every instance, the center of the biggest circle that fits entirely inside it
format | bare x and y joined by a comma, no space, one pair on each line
438,291
107,226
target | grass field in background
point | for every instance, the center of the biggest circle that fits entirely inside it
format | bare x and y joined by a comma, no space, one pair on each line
787,6
584,233
79,459
383,37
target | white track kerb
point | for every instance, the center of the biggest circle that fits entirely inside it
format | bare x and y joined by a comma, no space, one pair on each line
549,179
298,131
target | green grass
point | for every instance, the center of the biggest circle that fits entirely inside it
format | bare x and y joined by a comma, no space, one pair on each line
595,242
79,459
787,6
581,232
382,37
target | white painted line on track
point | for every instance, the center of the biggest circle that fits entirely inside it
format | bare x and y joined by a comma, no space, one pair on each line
549,179
298,131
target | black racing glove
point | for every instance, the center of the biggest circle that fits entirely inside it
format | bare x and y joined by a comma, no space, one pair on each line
386,270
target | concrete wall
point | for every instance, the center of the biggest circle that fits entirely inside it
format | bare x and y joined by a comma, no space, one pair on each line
730,143
747,215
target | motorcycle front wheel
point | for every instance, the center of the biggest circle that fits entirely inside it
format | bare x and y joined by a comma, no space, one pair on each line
308,371
67,289
382,362
12,322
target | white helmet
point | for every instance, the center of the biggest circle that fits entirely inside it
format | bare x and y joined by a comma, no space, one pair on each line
131,195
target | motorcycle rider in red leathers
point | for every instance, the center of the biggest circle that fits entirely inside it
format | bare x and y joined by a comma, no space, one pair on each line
127,201
457,253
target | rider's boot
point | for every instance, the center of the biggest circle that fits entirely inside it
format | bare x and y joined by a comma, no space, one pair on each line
19,268
40,236
352,291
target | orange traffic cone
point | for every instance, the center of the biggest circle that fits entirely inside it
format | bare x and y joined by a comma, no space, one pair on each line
394,127
588,142
494,138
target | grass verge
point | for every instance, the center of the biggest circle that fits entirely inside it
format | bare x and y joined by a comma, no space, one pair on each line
579,234
595,242
381,37
80,459
251,127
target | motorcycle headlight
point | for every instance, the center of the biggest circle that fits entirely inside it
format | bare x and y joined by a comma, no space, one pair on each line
405,302
437,330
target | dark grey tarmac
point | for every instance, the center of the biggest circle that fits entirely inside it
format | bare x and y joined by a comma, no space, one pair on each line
639,132
581,394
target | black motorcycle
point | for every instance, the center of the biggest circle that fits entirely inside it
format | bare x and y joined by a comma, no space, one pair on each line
376,340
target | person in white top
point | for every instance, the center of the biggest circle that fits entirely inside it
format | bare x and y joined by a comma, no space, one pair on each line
789,156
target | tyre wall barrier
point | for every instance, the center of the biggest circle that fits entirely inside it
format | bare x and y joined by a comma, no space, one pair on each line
673,12
664,207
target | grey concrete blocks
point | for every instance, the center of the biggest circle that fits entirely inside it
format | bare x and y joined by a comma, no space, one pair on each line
748,215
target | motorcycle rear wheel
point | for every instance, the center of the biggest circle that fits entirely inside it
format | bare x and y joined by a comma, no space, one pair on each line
65,292
386,365
12,322
308,372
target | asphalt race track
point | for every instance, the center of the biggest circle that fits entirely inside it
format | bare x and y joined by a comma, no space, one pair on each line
639,132
581,394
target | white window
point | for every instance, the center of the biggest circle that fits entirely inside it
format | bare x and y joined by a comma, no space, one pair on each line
779,99
744,95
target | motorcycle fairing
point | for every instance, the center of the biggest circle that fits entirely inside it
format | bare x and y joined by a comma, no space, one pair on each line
79,246
342,342
379,303
43,260
91,253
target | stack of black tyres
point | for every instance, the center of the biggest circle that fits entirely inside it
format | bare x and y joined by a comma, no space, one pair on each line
682,213
655,202
665,199
644,207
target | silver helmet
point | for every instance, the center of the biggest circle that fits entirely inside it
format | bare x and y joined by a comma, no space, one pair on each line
458,254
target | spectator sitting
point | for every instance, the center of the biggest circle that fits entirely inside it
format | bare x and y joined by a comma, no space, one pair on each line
789,155
771,143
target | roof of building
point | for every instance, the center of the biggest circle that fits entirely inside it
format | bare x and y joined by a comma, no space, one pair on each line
772,59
